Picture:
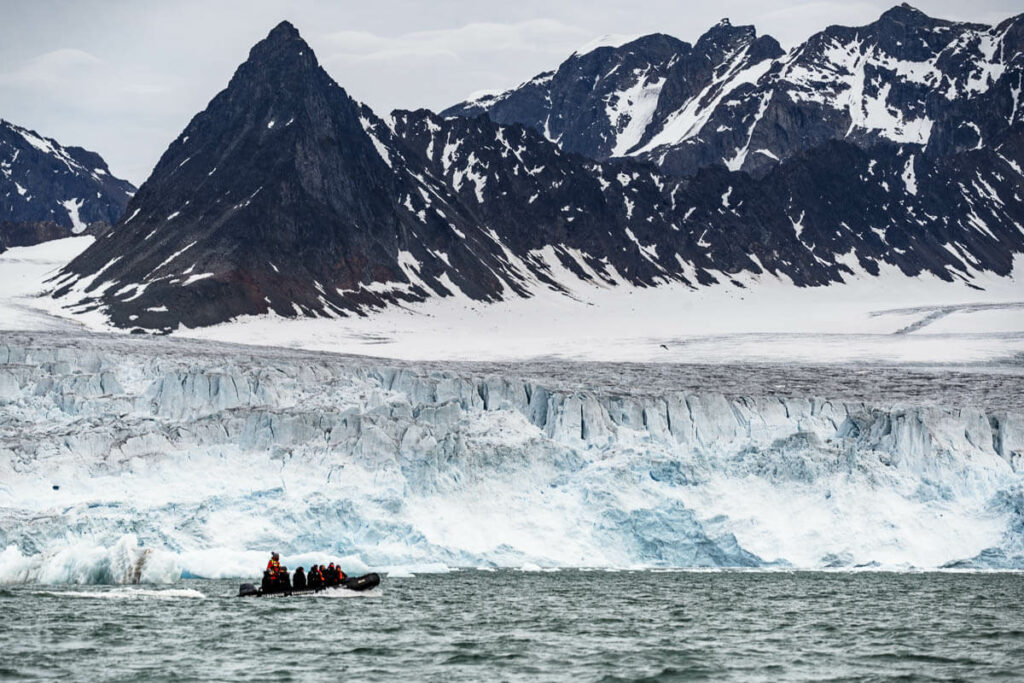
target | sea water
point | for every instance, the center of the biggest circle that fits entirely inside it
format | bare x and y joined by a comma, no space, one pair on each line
473,625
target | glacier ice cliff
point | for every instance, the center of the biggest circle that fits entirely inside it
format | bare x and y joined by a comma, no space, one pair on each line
126,460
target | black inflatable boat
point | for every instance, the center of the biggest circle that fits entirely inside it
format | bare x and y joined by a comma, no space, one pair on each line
284,588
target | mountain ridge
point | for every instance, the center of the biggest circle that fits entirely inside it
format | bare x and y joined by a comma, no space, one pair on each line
894,79
49,191
285,196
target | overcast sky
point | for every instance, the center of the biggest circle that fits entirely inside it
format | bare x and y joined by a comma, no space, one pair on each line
123,77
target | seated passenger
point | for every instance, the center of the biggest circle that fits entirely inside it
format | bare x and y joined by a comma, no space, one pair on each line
284,584
274,566
331,575
299,580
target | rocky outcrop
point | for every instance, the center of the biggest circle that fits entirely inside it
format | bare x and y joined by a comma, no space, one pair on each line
608,101
48,191
287,197
736,101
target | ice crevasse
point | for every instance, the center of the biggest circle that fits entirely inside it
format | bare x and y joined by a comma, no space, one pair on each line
127,462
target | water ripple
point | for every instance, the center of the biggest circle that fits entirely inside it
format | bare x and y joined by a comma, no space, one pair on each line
507,625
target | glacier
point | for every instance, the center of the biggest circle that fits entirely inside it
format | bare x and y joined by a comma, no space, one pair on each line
127,460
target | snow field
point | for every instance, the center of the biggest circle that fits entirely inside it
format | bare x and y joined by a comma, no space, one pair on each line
764,320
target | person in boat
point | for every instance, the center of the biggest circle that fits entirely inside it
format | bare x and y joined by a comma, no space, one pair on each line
284,583
299,580
315,578
274,566
331,575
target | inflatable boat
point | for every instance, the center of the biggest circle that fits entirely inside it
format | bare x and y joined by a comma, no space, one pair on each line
284,588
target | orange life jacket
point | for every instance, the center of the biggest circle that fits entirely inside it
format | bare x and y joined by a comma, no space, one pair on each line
273,567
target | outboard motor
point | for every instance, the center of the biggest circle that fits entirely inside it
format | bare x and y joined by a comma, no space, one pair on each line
247,590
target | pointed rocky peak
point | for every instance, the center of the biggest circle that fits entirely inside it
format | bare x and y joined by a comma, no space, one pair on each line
725,30
282,193
903,32
271,93
899,21
906,14
283,39
285,31
724,39
282,56
908,19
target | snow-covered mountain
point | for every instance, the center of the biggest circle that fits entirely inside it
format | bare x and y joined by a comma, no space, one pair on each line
283,195
602,101
738,101
48,191
287,196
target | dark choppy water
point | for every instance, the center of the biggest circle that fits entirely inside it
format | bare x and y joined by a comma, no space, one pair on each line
509,625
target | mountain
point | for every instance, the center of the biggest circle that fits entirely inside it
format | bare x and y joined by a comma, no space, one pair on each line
601,102
287,196
624,222
736,100
284,195
49,191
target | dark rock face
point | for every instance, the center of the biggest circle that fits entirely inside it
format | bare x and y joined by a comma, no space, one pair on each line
48,191
735,100
27,234
610,101
286,195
